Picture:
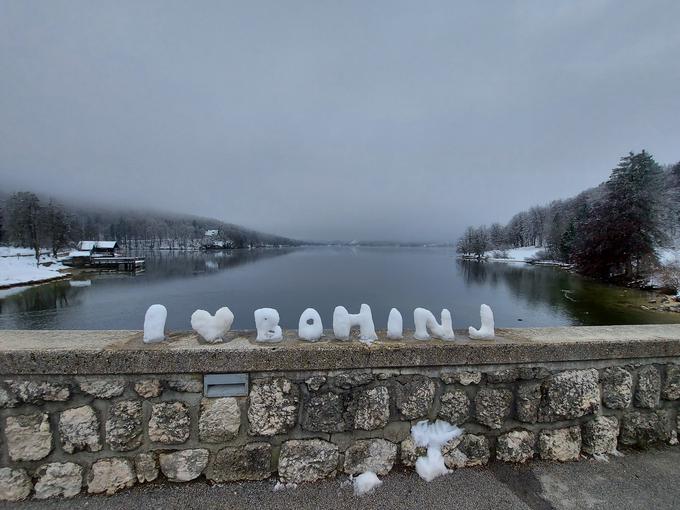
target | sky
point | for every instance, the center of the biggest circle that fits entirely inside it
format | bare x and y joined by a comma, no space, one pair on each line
320,120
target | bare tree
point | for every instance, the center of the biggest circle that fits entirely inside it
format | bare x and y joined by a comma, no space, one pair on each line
24,211
57,227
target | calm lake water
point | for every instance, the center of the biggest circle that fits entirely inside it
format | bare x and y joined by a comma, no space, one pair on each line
291,280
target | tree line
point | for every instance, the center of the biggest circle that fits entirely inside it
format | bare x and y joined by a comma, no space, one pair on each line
28,221
609,232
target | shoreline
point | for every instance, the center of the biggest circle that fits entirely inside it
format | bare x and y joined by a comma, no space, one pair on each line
19,269
33,283
661,303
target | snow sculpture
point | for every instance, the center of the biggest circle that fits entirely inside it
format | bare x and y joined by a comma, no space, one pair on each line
154,324
395,325
310,327
343,322
212,328
433,436
425,320
486,331
267,324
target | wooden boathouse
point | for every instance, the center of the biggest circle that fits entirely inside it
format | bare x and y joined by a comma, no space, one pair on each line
102,255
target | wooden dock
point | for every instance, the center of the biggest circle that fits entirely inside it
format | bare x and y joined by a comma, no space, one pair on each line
117,263
129,264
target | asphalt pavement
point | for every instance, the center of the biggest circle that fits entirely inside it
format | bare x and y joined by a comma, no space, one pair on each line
639,480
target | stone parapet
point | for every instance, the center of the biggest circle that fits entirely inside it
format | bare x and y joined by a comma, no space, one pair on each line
116,352
64,429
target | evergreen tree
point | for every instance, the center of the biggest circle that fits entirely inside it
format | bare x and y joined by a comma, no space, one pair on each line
623,229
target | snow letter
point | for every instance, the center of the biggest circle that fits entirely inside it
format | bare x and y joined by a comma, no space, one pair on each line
486,331
212,329
310,327
424,320
343,322
395,325
154,324
267,324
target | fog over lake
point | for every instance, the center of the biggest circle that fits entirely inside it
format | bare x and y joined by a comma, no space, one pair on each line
333,120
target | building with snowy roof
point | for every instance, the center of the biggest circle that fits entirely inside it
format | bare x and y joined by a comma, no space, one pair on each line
99,248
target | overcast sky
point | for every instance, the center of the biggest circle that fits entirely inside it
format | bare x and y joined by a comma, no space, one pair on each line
334,120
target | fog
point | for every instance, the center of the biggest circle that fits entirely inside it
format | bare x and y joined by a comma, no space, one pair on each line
333,120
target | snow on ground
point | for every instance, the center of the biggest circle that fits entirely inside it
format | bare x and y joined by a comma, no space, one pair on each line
514,254
365,483
15,251
17,270
9,251
668,274
668,255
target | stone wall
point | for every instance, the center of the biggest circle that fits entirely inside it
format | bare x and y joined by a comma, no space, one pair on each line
62,434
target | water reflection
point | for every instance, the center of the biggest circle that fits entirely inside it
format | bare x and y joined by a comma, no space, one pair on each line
25,309
583,301
169,264
294,279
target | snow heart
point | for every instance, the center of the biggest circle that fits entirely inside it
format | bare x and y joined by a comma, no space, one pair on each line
212,328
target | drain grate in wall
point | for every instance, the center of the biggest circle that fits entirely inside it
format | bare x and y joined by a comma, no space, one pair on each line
225,385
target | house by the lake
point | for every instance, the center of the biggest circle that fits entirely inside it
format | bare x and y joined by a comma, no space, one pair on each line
99,248
102,255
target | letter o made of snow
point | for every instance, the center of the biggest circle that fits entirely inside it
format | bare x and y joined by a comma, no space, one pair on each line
310,327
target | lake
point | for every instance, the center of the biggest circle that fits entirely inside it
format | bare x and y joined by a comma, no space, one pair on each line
291,280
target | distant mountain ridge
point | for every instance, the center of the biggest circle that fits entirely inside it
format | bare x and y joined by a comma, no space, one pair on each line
153,229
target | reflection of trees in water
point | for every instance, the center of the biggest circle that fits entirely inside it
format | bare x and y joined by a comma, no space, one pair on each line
585,301
159,265
533,284
166,264
50,296
474,273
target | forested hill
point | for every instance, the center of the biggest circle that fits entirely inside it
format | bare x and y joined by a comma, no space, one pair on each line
610,231
61,225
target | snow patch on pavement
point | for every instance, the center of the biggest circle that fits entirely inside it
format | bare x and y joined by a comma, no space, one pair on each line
280,486
365,483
